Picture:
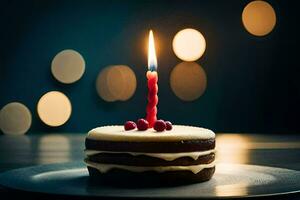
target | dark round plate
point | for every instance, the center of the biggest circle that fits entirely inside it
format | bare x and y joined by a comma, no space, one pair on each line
228,181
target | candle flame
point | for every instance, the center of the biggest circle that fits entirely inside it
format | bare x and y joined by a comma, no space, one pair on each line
152,62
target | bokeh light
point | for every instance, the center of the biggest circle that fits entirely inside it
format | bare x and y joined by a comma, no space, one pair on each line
189,44
102,87
259,18
15,119
54,108
188,81
116,82
130,82
68,66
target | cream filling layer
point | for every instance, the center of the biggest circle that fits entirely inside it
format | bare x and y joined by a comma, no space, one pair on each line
103,168
164,156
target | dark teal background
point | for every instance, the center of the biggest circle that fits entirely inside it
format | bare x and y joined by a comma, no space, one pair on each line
253,83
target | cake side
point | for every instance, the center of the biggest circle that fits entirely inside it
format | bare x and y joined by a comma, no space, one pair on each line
184,150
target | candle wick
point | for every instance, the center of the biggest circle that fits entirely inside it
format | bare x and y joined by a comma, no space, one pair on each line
152,68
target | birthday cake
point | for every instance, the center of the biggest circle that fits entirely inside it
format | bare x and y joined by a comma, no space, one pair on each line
182,154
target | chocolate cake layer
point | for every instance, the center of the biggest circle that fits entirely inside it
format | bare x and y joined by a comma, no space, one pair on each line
151,147
149,178
142,160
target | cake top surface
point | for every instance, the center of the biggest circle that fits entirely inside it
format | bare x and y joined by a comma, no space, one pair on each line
178,133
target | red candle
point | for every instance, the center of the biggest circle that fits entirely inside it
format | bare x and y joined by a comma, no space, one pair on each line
152,83
152,97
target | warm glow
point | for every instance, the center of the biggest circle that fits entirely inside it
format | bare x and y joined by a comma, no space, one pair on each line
54,108
231,189
152,61
259,18
189,44
233,149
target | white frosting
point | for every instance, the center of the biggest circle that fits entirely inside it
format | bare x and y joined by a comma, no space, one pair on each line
164,156
103,168
178,133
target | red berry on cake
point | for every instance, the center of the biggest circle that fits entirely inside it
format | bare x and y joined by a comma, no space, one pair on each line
142,124
168,125
129,125
159,125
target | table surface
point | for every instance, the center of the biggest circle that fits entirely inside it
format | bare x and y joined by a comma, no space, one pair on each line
281,150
